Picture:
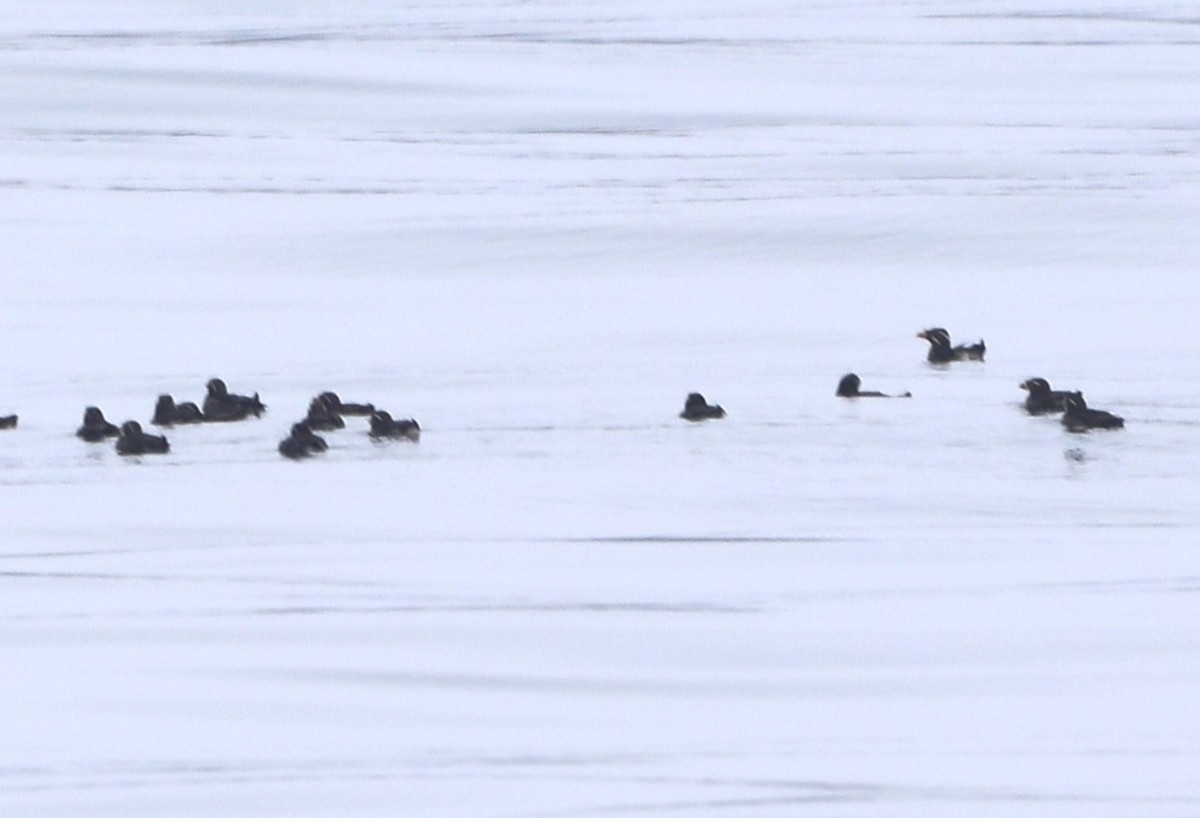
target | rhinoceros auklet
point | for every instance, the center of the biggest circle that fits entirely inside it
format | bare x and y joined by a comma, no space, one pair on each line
697,408
95,427
1042,399
220,405
940,351
335,405
383,425
848,387
1077,417
167,412
134,441
302,442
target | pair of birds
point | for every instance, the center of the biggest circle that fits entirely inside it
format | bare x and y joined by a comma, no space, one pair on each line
1077,416
220,406
131,439
325,413
696,408
941,351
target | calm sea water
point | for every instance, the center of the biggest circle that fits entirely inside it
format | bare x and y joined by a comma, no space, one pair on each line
535,228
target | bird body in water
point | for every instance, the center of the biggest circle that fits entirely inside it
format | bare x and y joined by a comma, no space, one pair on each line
168,413
321,418
134,441
941,352
848,387
95,427
697,408
334,404
1078,417
220,405
1042,399
302,442
383,425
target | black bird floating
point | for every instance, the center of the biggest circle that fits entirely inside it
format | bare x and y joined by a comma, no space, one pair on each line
1042,399
95,427
334,404
940,351
168,413
134,441
1077,417
301,443
848,387
696,408
220,405
384,426
321,418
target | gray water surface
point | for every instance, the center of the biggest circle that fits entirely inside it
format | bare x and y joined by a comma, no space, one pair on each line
536,227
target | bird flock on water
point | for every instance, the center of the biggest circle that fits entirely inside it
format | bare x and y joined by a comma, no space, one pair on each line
1077,416
327,411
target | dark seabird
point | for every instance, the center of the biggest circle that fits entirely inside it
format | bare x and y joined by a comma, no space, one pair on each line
940,351
8,422
220,405
383,425
302,442
335,405
1077,417
134,441
697,408
167,412
848,388
321,418
1042,399
95,428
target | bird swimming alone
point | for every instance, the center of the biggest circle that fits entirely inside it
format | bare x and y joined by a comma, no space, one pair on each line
848,387
1077,417
220,405
302,442
940,351
697,408
134,441
167,412
335,405
383,425
95,427
1042,399
8,422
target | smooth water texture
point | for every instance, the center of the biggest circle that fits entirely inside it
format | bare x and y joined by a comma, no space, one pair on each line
536,227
